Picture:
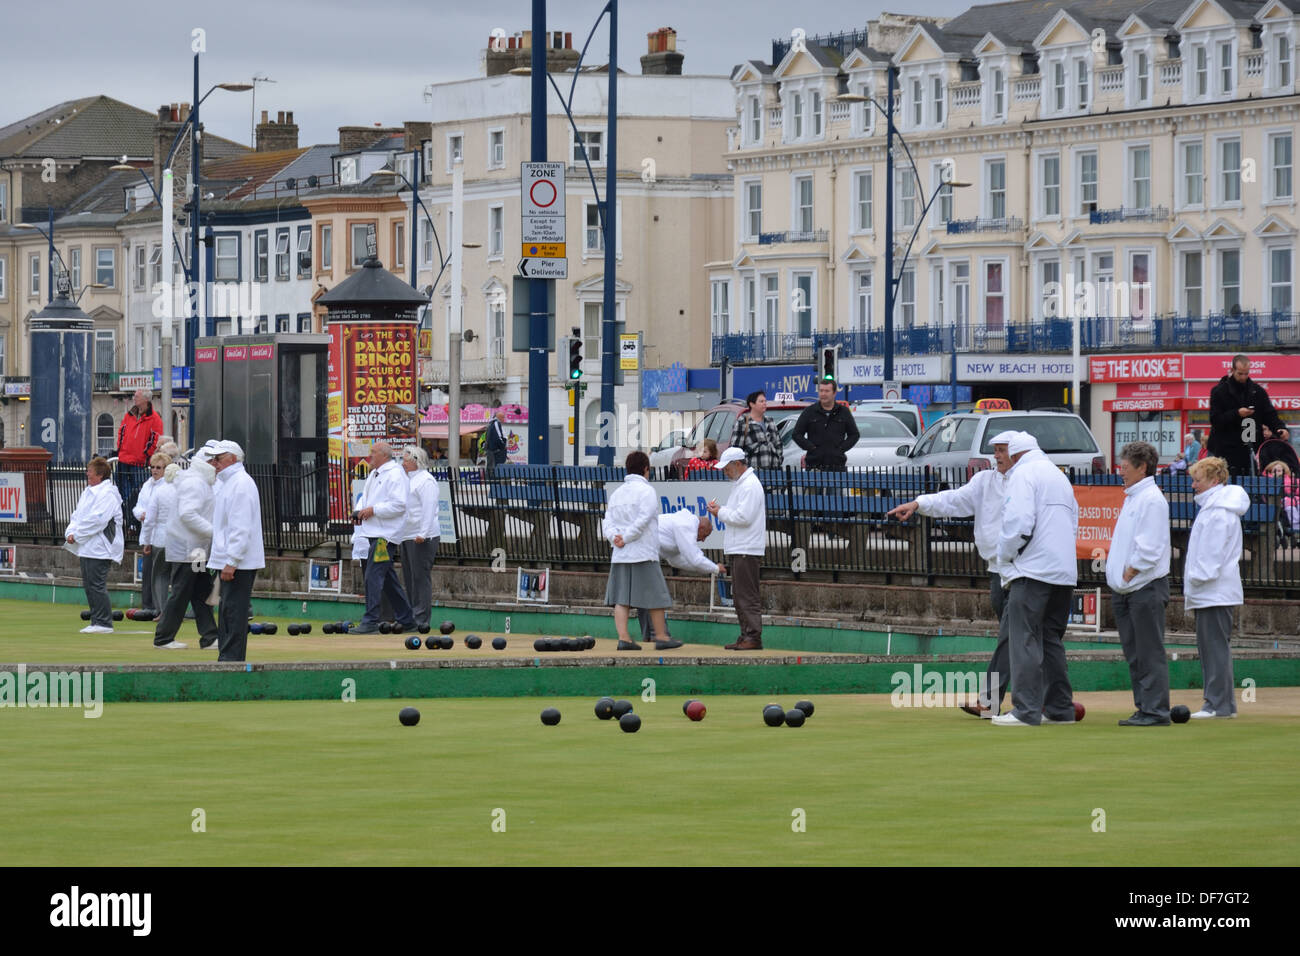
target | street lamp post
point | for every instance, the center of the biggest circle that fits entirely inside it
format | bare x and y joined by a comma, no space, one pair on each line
892,281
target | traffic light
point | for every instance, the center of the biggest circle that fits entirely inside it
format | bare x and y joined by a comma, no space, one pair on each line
830,359
575,355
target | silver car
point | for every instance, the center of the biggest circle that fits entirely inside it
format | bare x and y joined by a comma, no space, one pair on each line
964,440
880,435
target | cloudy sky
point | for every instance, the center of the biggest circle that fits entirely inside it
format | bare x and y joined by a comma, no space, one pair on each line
339,63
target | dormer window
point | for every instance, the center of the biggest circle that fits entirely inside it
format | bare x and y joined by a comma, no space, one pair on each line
1202,80
815,104
918,104
936,86
797,115
999,81
1058,87
1282,70
1142,65
1081,79
755,119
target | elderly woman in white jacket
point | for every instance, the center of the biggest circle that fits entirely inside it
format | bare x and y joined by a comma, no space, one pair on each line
155,514
94,535
1212,579
188,541
632,526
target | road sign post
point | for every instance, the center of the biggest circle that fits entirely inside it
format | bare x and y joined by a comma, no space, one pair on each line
542,221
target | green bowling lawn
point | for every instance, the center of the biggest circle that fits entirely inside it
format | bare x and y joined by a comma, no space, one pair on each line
325,783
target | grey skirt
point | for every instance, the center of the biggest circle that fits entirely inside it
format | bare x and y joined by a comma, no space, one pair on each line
637,585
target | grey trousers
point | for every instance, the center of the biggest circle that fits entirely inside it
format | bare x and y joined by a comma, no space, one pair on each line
417,571
146,581
162,578
999,669
187,588
1213,634
232,627
94,578
643,618
1140,618
1037,613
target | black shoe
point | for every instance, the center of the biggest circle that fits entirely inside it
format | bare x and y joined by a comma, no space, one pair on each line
667,645
628,646
208,646
1144,720
364,629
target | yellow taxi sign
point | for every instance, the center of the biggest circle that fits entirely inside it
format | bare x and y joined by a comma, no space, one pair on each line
993,405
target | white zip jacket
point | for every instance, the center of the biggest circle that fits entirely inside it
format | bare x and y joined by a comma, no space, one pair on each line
422,506
1039,523
158,514
190,529
236,522
1211,574
386,492
745,517
981,498
677,544
633,512
141,509
97,506
1140,539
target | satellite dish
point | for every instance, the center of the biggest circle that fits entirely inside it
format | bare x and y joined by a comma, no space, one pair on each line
291,183
313,181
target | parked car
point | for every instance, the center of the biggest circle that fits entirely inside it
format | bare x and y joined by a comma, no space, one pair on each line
965,440
662,454
905,412
718,423
880,434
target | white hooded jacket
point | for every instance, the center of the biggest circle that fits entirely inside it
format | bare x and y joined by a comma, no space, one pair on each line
1141,538
982,498
633,512
98,506
1039,523
189,533
1211,574
158,514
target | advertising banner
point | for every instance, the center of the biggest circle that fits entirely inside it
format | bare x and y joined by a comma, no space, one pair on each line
1099,508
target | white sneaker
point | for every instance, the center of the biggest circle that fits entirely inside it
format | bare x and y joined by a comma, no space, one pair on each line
173,646
1203,715
1008,719
96,629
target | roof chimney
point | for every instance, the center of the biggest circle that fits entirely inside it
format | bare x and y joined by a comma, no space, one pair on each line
661,57
277,135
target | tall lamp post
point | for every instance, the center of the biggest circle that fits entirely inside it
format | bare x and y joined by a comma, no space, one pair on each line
894,275
190,271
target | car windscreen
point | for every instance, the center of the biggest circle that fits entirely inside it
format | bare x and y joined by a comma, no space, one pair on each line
882,425
1056,434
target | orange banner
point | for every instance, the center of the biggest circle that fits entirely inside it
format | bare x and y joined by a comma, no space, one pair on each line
1099,508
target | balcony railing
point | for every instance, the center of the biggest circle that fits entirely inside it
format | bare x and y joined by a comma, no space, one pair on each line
1110,79
771,238
840,112
1004,224
1245,330
966,95
1171,73
1027,88
1254,63
1099,217
472,371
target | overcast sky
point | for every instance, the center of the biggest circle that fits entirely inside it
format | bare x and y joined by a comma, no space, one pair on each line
361,62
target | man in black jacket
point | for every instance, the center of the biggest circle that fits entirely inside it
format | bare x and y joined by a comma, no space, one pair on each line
1238,409
496,441
826,430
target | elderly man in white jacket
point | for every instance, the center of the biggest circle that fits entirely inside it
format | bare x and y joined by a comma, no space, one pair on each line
1212,579
236,547
744,541
382,511
1137,570
631,526
680,534
189,540
420,532
94,535
1036,557
981,498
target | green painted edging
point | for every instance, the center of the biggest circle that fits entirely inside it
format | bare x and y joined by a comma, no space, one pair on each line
805,638
867,678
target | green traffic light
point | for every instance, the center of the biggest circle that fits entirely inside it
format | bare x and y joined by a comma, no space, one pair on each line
575,373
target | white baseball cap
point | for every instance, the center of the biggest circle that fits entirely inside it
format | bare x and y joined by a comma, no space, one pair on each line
1004,438
1022,442
211,449
731,454
231,448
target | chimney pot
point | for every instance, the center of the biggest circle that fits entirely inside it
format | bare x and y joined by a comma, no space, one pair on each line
288,117
279,117
263,116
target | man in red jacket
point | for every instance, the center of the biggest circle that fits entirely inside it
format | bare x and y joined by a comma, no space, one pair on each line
137,440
